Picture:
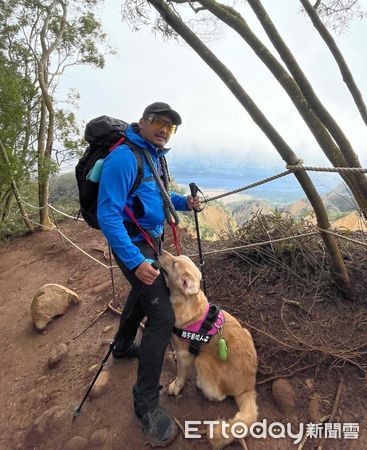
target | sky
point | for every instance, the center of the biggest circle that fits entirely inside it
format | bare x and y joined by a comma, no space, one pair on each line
147,68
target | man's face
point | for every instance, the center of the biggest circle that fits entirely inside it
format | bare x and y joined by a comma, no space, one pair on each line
157,129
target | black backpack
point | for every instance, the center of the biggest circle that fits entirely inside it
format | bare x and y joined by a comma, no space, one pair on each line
103,134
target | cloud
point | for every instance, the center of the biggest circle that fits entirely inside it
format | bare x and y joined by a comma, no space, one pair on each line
147,69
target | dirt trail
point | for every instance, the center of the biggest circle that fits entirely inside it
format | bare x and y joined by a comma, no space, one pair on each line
29,388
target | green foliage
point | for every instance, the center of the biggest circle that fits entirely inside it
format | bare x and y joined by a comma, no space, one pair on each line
173,186
14,90
67,133
39,40
64,190
14,224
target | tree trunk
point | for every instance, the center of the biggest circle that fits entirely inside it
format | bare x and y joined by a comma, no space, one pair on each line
15,191
4,195
7,206
233,19
338,267
46,132
343,66
42,179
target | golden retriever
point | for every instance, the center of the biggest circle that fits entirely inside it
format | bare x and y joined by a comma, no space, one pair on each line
217,379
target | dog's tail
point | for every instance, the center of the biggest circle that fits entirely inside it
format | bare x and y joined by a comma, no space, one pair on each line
226,431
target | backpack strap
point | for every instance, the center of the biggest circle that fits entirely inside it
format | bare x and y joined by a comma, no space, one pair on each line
139,176
137,152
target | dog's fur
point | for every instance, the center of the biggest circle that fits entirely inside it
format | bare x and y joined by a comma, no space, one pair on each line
216,378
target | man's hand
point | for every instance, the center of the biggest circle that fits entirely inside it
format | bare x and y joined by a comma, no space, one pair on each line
193,202
146,273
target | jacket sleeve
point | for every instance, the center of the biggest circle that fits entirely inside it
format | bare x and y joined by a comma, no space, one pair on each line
179,202
118,175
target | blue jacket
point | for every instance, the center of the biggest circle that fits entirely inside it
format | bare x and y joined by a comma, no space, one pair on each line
118,175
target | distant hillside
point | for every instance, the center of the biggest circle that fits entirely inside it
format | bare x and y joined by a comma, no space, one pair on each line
337,202
352,222
218,219
244,210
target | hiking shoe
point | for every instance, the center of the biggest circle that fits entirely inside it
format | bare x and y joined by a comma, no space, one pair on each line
159,426
131,352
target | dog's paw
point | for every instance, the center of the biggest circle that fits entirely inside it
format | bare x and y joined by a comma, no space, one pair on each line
175,387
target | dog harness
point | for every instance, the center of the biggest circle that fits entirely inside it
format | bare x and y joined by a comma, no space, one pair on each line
203,330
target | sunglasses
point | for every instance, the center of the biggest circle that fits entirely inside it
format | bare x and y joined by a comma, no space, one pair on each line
158,123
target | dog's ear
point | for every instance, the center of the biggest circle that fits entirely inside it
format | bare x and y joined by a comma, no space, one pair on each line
190,285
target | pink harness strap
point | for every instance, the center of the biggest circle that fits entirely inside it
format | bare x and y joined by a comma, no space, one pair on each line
195,327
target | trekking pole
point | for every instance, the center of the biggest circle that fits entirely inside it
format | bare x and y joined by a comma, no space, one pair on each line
77,410
194,192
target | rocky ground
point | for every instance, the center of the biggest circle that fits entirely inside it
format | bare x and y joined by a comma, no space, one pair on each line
38,396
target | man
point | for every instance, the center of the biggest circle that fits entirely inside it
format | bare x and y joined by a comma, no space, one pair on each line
149,295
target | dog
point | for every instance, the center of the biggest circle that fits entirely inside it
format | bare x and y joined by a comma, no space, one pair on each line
216,378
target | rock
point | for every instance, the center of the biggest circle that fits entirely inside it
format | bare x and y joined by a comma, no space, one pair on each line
284,395
106,286
52,419
57,355
99,437
76,443
51,300
314,412
101,385
107,329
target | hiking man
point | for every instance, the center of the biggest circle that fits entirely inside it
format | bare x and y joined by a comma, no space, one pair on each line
149,295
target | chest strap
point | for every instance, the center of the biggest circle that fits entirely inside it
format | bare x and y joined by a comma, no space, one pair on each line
197,338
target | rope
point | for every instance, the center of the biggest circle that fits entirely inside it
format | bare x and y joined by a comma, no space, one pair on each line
64,214
73,244
326,169
167,203
33,206
249,186
53,208
257,244
291,169
355,241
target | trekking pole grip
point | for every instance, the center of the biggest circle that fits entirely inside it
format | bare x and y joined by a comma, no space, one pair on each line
193,189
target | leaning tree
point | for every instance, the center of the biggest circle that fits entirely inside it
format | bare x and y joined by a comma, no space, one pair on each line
174,19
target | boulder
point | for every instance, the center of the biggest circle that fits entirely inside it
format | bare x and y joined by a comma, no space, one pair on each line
51,300
76,443
52,420
101,385
284,395
99,437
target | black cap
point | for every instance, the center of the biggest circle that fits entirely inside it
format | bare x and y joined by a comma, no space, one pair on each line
163,108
